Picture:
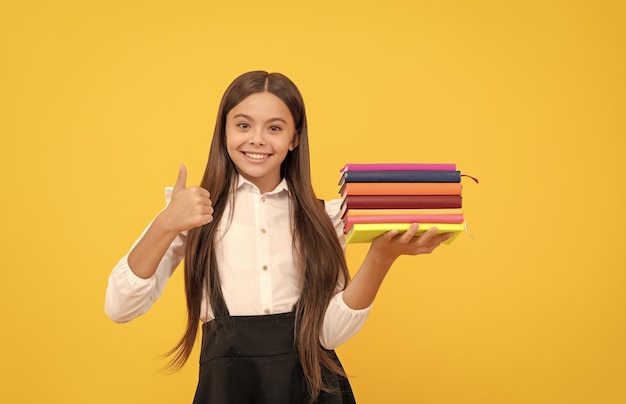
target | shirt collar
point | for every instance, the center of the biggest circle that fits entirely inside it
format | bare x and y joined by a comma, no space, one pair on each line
282,185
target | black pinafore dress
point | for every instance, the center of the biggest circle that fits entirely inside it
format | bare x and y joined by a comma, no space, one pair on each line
253,360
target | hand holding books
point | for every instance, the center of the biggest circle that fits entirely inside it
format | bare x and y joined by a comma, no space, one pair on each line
393,244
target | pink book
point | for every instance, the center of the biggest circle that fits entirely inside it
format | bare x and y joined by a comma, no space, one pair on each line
398,167
402,212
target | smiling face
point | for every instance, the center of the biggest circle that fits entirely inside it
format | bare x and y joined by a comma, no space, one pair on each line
260,131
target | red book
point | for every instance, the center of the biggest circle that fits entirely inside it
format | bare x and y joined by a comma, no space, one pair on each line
402,201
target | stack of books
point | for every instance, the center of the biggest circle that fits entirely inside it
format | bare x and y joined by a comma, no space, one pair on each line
380,197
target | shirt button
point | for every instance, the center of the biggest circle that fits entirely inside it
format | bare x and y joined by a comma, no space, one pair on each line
263,230
265,267
266,311
262,199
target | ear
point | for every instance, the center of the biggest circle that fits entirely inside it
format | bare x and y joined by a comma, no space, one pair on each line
295,142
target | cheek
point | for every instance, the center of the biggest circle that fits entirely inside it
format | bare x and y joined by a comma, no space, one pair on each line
231,147
231,142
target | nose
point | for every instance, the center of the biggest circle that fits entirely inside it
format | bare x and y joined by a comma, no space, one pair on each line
257,137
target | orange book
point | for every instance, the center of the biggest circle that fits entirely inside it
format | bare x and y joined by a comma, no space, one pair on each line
401,188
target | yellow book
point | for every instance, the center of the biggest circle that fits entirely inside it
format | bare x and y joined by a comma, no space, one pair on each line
366,232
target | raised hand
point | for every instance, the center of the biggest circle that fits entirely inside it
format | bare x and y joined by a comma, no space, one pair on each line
189,207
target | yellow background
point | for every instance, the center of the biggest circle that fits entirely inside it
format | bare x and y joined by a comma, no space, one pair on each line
101,100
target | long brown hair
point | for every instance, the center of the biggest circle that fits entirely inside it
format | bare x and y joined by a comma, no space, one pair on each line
317,250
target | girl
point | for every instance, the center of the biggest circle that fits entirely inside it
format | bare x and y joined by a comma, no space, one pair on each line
265,271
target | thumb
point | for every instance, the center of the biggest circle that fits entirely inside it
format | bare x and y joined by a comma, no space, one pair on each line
181,181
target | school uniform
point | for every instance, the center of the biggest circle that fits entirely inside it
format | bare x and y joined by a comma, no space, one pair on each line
248,356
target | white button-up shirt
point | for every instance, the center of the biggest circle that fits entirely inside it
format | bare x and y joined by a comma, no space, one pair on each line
254,254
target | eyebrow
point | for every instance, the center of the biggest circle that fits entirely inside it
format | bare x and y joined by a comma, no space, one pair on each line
248,117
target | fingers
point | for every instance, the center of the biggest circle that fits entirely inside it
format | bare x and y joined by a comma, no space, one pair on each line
430,244
443,237
412,242
413,235
389,235
181,184
427,236
409,234
429,239
181,181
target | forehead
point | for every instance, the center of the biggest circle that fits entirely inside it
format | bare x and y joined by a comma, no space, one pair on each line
262,106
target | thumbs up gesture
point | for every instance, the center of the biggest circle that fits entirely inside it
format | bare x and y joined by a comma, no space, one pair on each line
189,207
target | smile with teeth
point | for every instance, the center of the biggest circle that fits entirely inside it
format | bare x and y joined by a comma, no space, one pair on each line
256,156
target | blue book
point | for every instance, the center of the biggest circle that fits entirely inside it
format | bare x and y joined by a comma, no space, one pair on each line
400,176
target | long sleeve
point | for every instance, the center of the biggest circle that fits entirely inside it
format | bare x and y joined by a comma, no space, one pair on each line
129,296
340,321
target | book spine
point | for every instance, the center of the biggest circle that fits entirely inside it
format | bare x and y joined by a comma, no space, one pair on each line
401,188
402,176
402,201
350,220
402,212
398,167
405,219
366,232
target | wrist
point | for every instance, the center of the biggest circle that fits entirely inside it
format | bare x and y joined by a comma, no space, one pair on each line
380,260
163,224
